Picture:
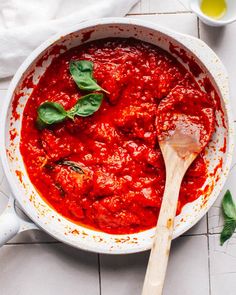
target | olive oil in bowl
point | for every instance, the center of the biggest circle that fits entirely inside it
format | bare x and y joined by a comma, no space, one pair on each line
214,8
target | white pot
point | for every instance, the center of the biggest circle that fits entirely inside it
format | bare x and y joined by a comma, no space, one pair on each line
35,207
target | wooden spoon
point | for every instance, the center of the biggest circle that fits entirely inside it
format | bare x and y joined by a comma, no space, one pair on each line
181,137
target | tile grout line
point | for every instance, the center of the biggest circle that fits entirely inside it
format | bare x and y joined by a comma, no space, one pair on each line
194,235
198,28
200,235
209,262
207,215
99,275
160,13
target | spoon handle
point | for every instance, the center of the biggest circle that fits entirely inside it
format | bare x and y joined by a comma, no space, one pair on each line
155,275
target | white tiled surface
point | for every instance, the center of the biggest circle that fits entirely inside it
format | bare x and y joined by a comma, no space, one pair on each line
158,6
33,263
182,277
174,22
47,269
223,266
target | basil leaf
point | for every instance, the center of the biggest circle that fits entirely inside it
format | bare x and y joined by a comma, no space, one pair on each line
73,165
228,205
86,105
229,210
50,113
228,230
82,73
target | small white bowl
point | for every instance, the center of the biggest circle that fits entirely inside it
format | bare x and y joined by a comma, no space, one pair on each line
229,17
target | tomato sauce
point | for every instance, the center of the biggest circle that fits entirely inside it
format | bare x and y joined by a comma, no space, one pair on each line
124,174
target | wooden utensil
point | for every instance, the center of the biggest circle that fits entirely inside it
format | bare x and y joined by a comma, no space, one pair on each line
184,123
177,157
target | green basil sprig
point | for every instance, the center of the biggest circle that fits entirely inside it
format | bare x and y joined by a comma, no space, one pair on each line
51,112
229,211
82,73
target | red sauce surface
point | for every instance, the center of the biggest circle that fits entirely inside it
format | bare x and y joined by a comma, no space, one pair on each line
121,190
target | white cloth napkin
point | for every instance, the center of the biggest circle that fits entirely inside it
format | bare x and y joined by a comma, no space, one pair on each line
24,24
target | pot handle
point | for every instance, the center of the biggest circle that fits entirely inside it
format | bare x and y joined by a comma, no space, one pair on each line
9,227
11,224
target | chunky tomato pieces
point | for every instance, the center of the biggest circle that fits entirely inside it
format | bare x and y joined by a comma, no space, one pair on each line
121,187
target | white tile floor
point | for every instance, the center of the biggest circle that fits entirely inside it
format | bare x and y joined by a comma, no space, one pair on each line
154,6
126,273
33,263
47,269
223,266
